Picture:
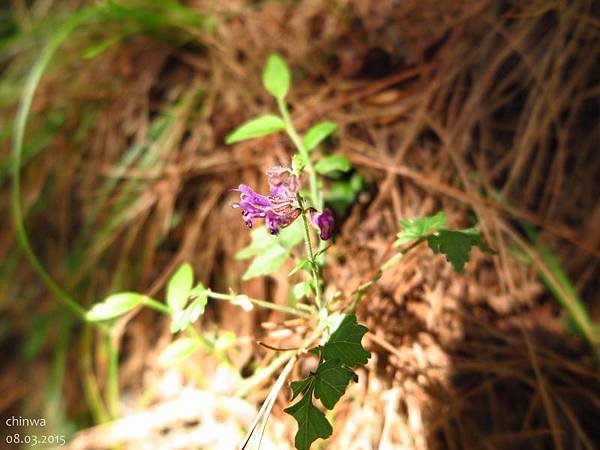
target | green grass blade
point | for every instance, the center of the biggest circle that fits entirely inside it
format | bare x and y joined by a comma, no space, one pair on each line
30,87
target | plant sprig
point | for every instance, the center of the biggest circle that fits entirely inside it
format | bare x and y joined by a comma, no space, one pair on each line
340,335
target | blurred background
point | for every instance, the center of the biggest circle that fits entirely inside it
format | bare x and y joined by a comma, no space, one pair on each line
113,171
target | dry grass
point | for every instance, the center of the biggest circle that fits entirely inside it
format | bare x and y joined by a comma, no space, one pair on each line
485,109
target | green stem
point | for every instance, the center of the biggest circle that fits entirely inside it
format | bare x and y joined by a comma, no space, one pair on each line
261,303
31,85
112,384
295,137
362,289
164,309
156,305
89,383
316,199
314,269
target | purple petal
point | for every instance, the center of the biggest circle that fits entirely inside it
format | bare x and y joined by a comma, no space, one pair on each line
253,205
283,182
280,208
324,222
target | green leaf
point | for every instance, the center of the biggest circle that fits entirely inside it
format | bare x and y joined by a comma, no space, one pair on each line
333,163
266,263
179,287
292,235
114,306
259,126
304,264
345,343
356,182
420,227
196,309
578,317
198,291
342,193
312,423
298,387
177,351
331,382
316,351
180,319
276,76
298,163
317,133
261,240
270,251
301,290
100,47
456,245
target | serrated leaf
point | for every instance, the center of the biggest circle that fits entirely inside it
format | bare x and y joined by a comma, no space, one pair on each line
312,423
331,381
259,126
345,343
276,76
177,351
298,387
114,306
333,163
317,133
456,245
179,287
197,307
266,263
180,319
420,227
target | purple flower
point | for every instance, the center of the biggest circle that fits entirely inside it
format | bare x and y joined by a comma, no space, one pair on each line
281,207
323,222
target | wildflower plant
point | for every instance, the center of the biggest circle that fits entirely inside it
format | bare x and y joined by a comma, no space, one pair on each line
293,211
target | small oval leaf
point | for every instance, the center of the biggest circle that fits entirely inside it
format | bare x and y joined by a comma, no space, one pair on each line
317,134
276,77
179,287
259,126
177,351
266,263
333,163
114,306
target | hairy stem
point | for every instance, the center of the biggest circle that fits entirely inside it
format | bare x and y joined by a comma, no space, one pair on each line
312,174
314,194
314,268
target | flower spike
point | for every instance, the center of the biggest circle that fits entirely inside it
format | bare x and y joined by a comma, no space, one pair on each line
281,207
